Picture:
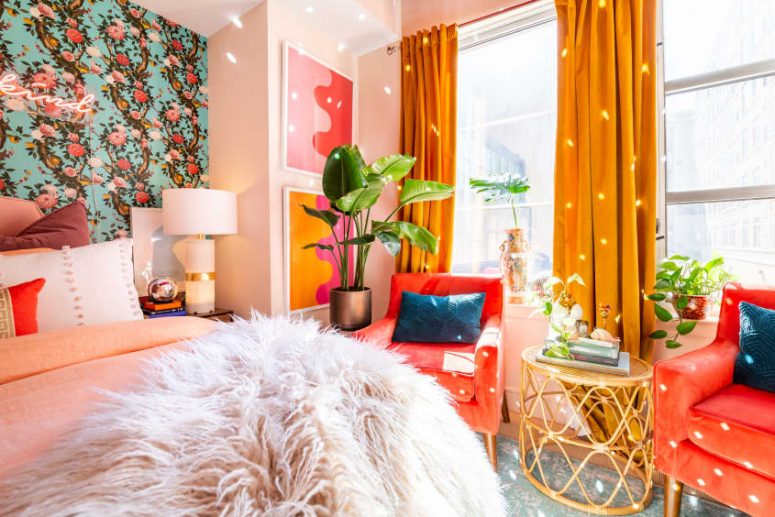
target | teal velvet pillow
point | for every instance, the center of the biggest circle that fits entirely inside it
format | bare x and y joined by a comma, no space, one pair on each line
755,364
439,319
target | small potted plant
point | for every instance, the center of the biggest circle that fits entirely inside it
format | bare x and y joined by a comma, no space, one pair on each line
689,286
353,188
514,250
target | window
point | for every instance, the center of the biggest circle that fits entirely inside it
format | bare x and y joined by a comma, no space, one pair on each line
507,116
719,132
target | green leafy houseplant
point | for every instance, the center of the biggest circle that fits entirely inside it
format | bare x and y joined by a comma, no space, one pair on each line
353,188
679,280
501,188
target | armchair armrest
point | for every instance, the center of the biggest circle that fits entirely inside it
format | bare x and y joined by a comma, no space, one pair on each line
379,332
488,372
682,382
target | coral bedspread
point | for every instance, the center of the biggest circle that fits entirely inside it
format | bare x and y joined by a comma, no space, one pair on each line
49,382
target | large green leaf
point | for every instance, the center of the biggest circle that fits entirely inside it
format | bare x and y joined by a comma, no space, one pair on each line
416,235
499,188
658,334
344,172
685,327
668,265
662,313
672,343
391,241
657,297
415,191
394,166
326,247
357,241
327,216
681,302
362,198
714,263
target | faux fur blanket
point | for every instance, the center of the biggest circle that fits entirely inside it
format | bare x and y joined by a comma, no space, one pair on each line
267,417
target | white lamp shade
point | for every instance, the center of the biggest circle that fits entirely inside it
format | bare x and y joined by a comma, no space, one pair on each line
189,211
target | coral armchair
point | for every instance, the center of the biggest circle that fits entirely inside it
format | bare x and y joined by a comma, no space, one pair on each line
711,433
473,373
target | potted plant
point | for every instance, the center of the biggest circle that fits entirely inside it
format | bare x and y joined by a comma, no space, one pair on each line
353,188
689,286
514,250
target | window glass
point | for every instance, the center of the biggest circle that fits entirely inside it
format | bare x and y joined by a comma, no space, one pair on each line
709,35
506,125
743,232
714,140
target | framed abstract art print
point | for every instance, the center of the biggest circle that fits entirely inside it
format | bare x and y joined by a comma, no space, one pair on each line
317,110
309,273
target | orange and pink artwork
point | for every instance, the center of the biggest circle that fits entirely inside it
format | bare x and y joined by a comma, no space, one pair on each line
318,108
309,273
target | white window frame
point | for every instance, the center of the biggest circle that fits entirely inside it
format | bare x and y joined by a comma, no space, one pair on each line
724,76
515,20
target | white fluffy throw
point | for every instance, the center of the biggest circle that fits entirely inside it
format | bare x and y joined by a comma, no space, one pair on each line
268,417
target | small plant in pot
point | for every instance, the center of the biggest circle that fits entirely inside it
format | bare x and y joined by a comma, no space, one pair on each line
514,250
353,188
689,286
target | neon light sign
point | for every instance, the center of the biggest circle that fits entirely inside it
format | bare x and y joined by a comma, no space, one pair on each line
10,86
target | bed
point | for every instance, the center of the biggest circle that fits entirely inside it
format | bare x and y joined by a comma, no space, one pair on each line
185,416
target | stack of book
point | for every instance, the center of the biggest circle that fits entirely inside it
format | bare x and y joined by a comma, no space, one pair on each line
590,354
153,309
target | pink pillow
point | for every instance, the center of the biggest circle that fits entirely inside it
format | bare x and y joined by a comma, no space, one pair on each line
67,226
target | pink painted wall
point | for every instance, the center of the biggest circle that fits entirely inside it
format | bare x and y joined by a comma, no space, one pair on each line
379,90
418,15
238,148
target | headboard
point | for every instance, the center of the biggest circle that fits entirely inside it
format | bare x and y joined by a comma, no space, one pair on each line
17,214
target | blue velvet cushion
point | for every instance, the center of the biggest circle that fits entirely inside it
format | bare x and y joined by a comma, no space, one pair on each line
439,319
755,364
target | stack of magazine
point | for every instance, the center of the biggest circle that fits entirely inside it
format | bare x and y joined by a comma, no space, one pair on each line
590,354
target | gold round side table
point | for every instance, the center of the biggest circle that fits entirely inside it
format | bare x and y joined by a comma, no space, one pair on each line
580,418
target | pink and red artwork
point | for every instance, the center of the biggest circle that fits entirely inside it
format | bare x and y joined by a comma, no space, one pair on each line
318,104
310,273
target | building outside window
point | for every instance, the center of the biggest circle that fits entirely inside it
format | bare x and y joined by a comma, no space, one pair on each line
507,114
719,132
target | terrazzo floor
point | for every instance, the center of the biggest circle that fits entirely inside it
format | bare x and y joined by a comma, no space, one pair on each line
525,500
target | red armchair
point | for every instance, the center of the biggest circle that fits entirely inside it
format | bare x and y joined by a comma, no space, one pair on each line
711,433
473,373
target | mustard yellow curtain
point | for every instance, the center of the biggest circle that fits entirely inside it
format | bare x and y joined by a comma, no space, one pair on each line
606,160
429,132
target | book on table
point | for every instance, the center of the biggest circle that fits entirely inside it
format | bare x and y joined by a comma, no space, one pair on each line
594,351
622,366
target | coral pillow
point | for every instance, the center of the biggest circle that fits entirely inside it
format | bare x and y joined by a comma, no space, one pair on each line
19,308
67,226
87,285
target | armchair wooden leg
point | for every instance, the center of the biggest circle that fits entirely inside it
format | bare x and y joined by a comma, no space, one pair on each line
505,410
490,446
674,490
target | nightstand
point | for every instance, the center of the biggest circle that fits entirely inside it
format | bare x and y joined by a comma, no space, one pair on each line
225,315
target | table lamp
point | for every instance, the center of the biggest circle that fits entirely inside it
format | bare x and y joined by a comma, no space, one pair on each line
200,212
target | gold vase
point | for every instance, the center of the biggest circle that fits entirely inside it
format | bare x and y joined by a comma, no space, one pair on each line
514,256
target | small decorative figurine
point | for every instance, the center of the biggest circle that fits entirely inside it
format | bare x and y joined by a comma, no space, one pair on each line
162,290
605,312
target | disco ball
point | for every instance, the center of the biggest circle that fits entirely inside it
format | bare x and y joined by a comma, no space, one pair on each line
162,290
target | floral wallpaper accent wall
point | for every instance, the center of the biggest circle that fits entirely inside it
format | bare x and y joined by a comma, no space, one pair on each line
148,126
